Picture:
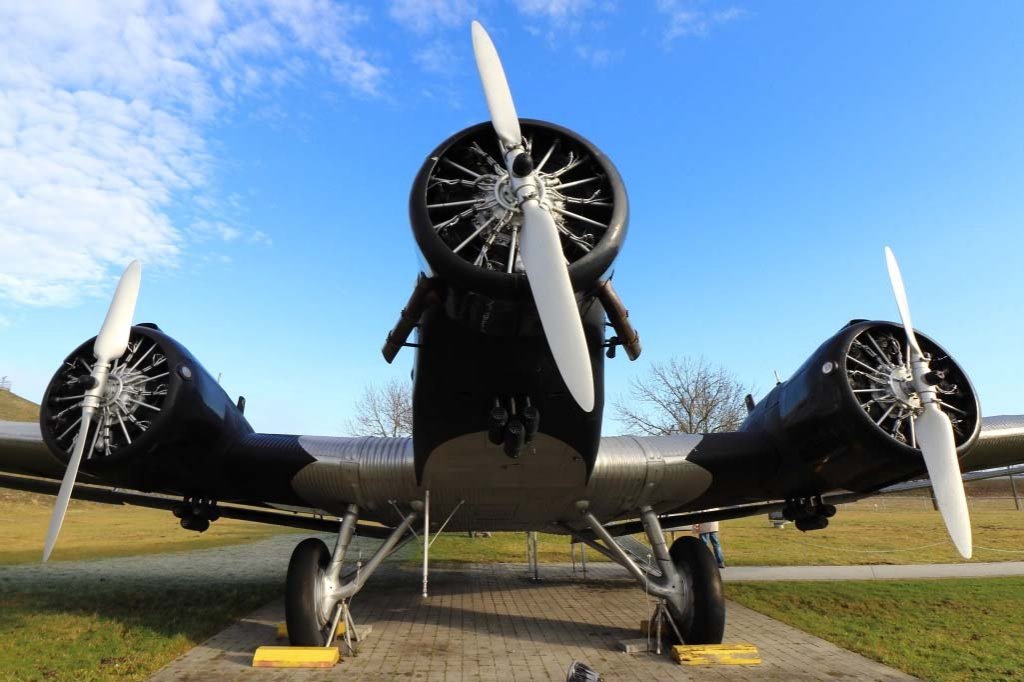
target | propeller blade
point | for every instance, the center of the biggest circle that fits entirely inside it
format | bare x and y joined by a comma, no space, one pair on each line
544,262
898,290
110,343
499,97
935,436
113,337
64,496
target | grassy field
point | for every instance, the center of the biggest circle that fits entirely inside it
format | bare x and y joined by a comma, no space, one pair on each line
942,630
94,530
14,408
114,631
859,534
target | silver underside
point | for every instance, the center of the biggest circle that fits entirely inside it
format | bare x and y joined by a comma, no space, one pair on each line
537,491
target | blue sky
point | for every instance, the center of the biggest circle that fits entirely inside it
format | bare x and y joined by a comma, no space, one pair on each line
258,159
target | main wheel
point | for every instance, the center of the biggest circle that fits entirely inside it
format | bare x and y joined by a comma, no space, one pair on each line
705,623
306,623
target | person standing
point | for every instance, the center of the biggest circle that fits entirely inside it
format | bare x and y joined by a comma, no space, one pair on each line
708,533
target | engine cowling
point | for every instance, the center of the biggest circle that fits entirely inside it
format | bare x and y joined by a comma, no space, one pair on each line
466,221
843,420
163,421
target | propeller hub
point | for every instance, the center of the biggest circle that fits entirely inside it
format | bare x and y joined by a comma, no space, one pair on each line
901,388
112,391
522,165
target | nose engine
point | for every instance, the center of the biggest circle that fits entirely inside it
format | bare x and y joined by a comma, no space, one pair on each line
466,218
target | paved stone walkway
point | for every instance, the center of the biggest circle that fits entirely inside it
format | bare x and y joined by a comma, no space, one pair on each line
490,622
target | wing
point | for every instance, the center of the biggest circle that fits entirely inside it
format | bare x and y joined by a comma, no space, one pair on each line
749,475
295,481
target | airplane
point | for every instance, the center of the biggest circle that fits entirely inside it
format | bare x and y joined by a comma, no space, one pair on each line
519,222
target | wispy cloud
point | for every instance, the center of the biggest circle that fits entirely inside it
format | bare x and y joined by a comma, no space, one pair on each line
688,18
557,10
424,16
103,108
437,57
598,56
551,19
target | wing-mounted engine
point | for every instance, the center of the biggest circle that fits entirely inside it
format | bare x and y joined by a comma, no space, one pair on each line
845,419
161,417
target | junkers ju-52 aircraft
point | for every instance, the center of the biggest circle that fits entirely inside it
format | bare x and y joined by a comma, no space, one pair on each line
519,222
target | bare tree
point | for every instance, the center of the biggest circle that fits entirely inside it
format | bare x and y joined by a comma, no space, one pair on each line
683,395
383,411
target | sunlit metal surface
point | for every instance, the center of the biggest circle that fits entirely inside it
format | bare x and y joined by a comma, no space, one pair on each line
495,492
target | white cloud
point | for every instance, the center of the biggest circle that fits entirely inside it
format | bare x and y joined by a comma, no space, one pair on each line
204,229
102,114
688,18
553,9
598,56
423,16
437,57
260,237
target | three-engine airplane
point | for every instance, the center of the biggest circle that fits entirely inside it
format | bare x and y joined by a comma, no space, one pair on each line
519,222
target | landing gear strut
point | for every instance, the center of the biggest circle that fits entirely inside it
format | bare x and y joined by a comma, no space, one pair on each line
317,593
685,579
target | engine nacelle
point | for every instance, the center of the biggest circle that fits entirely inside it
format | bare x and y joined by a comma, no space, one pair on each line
163,421
466,221
843,420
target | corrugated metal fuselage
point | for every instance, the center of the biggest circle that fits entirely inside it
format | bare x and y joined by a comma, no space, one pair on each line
537,491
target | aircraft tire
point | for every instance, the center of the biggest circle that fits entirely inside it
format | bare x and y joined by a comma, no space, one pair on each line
706,622
301,613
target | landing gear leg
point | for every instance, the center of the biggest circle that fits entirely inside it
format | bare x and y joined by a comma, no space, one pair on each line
686,580
316,592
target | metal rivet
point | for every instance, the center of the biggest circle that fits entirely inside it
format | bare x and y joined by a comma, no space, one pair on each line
184,372
827,368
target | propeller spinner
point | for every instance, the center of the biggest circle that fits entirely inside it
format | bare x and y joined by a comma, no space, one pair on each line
110,344
540,246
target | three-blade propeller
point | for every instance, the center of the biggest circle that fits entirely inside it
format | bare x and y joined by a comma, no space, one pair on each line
933,428
540,246
110,344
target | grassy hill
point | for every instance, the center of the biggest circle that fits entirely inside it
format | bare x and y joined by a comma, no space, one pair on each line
14,408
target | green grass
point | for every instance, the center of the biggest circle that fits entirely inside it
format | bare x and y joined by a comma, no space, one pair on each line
943,630
128,631
859,534
14,408
93,531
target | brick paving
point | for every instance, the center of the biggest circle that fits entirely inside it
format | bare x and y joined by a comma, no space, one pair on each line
491,622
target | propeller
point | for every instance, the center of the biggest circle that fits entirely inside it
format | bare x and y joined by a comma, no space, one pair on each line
933,429
110,344
540,246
